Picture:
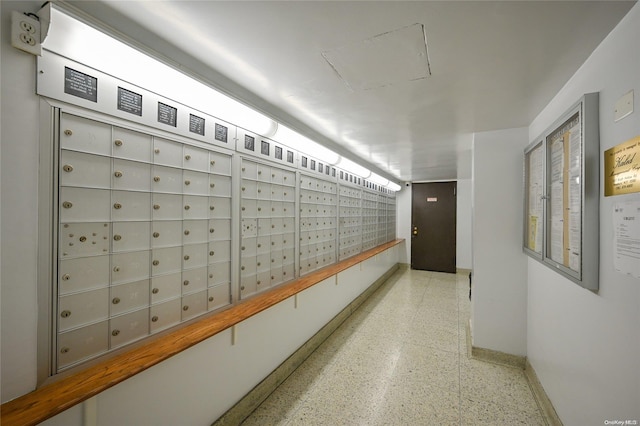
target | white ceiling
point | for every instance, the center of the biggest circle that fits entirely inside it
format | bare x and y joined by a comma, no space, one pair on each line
357,76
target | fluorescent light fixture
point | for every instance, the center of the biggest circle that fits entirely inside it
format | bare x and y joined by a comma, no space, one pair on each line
295,140
394,186
354,168
89,46
378,179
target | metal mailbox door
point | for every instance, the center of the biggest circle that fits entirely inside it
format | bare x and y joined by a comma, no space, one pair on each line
164,287
84,205
131,236
131,145
128,297
166,152
82,308
128,328
84,170
165,315
81,134
83,274
127,267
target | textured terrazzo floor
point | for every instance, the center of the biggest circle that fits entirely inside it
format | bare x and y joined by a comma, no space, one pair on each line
401,359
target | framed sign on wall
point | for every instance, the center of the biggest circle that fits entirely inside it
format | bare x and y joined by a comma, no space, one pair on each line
561,178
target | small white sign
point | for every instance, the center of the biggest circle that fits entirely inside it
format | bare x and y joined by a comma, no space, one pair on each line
432,199
624,106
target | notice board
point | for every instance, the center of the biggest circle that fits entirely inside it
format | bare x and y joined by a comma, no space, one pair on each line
561,178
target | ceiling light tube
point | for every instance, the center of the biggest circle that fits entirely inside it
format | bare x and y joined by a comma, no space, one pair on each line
305,145
354,168
81,42
393,186
377,179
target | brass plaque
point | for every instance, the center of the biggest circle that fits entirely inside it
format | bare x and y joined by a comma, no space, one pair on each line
622,168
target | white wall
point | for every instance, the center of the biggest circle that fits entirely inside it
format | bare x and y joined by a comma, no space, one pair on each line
584,346
19,169
403,221
463,222
499,296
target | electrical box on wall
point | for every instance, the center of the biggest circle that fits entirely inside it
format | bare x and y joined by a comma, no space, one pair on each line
25,33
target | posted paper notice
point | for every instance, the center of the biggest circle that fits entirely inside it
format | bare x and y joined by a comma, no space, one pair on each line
626,243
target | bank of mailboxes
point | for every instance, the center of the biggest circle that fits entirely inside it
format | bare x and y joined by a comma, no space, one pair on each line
144,238
350,222
318,223
144,232
267,216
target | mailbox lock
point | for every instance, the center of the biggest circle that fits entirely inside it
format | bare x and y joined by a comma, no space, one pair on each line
156,178
213,162
67,168
187,182
65,350
186,257
242,268
115,300
156,234
68,132
187,157
154,318
65,314
155,291
67,205
210,298
118,174
115,332
241,287
187,207
157,150
118,142
185,308
186,282
116,269
117,206
66,277
212,230
186,232
156,206
211,253
117,237
156,262
212,207
83,239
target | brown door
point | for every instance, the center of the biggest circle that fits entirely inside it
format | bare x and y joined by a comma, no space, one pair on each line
433,236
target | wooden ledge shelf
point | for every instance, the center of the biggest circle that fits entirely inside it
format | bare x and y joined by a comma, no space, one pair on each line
54,398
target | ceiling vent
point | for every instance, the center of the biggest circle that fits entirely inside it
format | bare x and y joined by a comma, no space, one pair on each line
385,59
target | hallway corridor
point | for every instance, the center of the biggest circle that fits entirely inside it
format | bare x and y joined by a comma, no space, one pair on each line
401,359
